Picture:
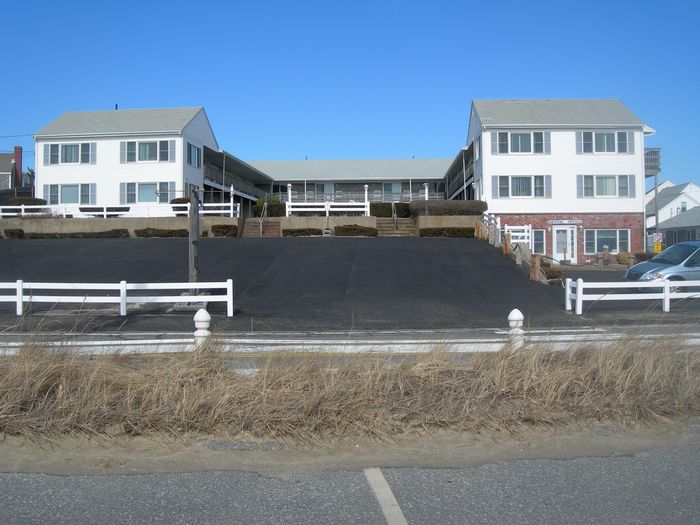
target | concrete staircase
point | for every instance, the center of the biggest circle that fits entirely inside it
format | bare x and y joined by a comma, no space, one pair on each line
272,227
404,227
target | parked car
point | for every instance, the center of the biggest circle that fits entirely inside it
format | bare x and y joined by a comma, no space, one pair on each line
680,262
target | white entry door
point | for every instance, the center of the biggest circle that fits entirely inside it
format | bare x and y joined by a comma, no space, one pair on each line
564,243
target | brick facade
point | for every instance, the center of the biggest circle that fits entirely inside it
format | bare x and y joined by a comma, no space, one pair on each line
634,222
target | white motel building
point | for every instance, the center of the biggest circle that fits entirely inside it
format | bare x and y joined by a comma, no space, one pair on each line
572,169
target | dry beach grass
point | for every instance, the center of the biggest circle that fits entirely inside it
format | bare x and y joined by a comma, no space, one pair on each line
48,393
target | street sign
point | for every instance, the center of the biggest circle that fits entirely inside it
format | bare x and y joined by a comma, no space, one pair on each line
657,247
658,237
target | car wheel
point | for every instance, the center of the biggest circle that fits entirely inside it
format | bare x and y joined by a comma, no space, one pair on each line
675,289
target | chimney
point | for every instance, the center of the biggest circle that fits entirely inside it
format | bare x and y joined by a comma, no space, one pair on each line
18,167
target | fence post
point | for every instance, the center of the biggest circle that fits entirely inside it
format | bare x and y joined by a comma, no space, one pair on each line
516,332
567,294
229,297
22,211
122,298
666,305
20,297
425,185
579,296
104,212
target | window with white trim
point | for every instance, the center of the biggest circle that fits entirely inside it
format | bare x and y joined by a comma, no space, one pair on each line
70,193
591,186
78,153
194,155
616,241
519,142
146,192
522,186
539,242
604,142
147,151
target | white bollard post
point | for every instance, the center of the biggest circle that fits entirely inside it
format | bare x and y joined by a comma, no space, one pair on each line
516,332
202,320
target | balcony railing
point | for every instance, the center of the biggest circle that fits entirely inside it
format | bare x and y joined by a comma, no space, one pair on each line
357,196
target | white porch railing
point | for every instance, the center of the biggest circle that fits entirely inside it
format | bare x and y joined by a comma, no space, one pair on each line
574,292
24,293
519,234
325,207
227,209
358,196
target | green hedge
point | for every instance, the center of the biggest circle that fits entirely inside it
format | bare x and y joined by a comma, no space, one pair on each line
302,232
18,201
224,230
442,207
354,231
180,200
158,232
383,209
18,233
447,232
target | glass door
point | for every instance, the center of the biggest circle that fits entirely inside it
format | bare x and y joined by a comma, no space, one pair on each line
564,243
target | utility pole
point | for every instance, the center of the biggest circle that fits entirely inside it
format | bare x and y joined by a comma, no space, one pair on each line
193,254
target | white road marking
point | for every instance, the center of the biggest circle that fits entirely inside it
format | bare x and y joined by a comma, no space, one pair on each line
387,501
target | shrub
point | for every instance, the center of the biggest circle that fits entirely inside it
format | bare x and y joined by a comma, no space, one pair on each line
301,232
623,257
552,272
447,232
180,200
643,256
383,209
274,209
442,207
14,233
19,201
224,230
158,232
119,233
354,230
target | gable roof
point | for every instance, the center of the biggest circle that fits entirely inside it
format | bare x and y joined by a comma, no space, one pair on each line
119,122
666,196
687,219
555,112
6,162
352,170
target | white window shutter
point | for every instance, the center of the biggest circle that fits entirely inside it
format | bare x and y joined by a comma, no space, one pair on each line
494,143
93,153
122,192
93,193
632,191
579,186
579,143
494,184
122,153
171,151
547,143
46,154
547,186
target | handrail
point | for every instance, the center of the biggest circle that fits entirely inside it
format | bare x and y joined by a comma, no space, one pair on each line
393,215
263,218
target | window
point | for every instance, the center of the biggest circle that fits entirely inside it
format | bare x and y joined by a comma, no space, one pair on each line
131,151
69,154
148,151
163,151
605,142
147,192
684,206
69,194
538,242
502,142
85,153
194,155
538,142
520,143
605,186
53,154
522,186
616,241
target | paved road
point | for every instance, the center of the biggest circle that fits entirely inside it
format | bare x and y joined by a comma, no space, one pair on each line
660,486
309,284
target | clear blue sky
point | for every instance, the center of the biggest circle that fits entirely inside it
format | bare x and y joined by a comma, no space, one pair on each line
359,79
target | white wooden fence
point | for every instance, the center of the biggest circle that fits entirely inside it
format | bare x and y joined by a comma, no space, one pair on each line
325,207
520,234
25,293
574,292
82,211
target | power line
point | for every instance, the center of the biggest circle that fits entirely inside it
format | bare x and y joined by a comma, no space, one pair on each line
15,136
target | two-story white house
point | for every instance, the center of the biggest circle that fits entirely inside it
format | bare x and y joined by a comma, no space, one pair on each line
137,157
572,169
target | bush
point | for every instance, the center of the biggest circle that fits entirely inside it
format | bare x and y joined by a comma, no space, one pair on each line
158,232
108,234
643,256
383,209
19,201
447,232
552,272
14,233
180,200
354,230
442,207
301,232
224,230
623,257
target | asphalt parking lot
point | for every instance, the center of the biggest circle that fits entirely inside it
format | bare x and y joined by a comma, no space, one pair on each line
305,283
